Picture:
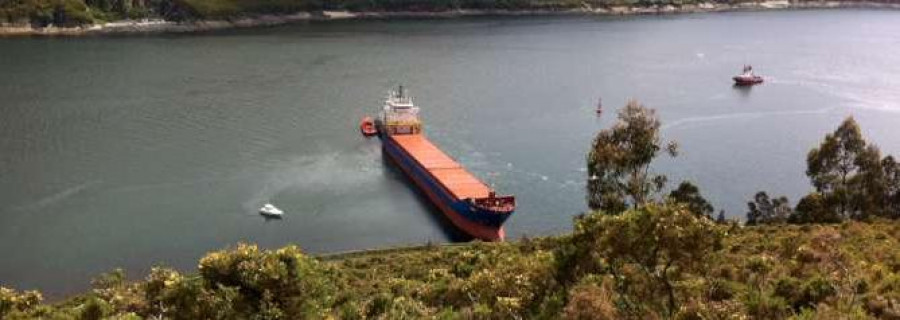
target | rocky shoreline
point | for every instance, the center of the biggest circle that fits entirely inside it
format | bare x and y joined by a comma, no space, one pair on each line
164,26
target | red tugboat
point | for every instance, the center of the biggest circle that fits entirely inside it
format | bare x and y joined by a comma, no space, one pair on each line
747,78
470,204
367,127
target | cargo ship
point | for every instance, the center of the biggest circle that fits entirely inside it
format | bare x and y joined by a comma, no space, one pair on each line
466,201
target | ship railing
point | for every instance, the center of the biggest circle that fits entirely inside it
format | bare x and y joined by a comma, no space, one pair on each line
404,114
401,108
401,114
492,202
394,129
402,121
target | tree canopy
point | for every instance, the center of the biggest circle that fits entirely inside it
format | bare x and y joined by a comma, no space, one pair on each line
850,177
765,210
851,181
688,194
618,163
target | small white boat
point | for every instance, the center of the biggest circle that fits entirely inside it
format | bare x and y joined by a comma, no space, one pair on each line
270,210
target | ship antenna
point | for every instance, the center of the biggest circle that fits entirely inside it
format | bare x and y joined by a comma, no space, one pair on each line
400,93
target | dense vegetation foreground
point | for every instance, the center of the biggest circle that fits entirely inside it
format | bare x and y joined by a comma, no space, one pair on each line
660,262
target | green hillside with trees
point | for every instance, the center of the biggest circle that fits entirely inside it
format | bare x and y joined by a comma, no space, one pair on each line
74,13
80,12
641,253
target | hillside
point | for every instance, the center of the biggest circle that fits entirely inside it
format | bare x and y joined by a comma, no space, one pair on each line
81,16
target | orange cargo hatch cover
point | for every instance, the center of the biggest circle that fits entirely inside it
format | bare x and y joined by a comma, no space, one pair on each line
448,172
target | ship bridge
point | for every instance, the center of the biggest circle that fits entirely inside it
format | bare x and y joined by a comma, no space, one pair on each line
400,115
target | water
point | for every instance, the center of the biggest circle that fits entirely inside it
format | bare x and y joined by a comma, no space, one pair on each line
143,150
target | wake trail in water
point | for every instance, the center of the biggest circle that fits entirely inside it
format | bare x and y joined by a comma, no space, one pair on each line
738,116
861,95
561,182
57,197
334,172
176,184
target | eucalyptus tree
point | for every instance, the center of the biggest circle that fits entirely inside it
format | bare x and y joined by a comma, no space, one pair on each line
763,210
618,164
688,194
831,166
891,200
850,176
869,185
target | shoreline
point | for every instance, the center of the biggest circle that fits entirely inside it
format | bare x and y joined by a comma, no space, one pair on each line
155,26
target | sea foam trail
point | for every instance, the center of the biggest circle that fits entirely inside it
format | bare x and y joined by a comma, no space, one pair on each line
859,94
332,172
57,197
738,116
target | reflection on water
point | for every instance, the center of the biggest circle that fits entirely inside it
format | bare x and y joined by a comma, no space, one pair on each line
742,90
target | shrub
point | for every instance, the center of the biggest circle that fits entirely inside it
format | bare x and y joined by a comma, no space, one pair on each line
719,290
95,309
661,240
789,288
816,290
514,286
12,301
298,284
882,307
591,301
764,306
759,264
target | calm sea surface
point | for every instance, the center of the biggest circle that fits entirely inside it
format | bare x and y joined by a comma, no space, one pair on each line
146,150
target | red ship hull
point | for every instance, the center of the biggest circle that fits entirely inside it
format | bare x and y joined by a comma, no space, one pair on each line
444,184
747,80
